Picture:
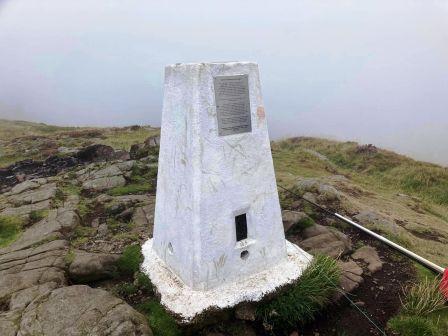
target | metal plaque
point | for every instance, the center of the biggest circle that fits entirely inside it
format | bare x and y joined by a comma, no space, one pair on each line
232,104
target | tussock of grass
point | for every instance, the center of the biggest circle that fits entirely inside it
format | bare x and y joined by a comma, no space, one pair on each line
10,229
37,215
130,260
423,298
423,311
304,300
143,282
161,323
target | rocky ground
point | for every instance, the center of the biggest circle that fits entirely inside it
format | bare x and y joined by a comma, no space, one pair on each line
78,213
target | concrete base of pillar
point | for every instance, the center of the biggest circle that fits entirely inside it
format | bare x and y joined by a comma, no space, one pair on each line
186,303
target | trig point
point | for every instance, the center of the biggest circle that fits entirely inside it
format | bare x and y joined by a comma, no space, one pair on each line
218,233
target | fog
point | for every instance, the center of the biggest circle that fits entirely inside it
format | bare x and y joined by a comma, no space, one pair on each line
371,71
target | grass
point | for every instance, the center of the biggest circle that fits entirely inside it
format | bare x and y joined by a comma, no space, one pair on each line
304,300
302,224
37,215
10,229
69,257
161,323
129,236
130,260
424,311
423,298
131,189
35,137
142,180
413,326
384,168
143,282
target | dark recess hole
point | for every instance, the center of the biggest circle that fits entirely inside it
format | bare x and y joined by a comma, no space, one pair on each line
244,255
241,227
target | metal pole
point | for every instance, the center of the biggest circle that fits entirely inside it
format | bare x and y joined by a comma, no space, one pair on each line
399,248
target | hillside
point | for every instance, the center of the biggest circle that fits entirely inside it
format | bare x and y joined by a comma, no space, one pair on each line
411,196
21,140
74,214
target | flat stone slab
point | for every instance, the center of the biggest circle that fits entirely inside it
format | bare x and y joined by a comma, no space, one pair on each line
81,310
187,303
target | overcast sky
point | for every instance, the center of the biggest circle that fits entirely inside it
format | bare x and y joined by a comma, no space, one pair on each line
373,71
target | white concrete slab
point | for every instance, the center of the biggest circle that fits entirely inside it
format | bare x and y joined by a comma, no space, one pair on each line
187,303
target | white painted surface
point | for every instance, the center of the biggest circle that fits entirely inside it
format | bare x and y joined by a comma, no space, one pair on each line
205,180
188,303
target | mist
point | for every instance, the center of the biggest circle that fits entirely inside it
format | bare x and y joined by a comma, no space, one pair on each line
370,71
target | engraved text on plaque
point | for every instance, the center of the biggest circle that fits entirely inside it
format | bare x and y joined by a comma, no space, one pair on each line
232,104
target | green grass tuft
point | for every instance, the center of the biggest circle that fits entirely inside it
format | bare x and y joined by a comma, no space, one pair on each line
37,215
131,189
130,260
161,323
423,298
304,300
413,326
143,282
10,229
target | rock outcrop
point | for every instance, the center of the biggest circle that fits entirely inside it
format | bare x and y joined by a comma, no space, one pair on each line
78,310
87,267
325,240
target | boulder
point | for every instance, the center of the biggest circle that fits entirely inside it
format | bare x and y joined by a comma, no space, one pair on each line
291,218
58,224
324,192
370,256
28,185
104,183
105,178
143,216
33,267
96,153
325,240
88,267
24,210
351,278
35,195
78,310
139,151
377,221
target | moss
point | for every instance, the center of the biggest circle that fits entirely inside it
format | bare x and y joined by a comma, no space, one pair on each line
305,223
70,188
10,229
69,257
83,231
129,236
306,298
131,189
83,207
59,198
79,241
37,215
161,323
130,260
